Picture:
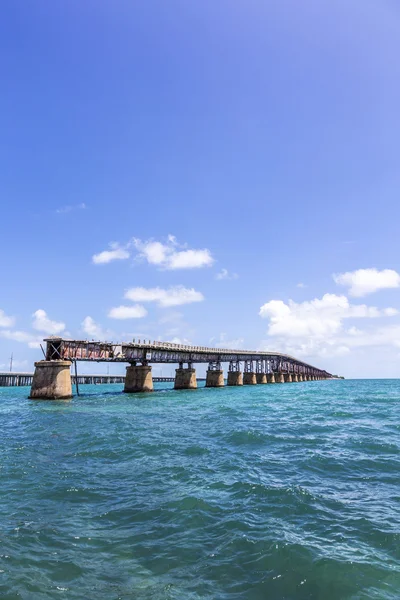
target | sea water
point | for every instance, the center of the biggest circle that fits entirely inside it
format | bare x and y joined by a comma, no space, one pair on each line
256,493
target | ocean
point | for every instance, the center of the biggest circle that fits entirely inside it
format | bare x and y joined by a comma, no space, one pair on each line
273,492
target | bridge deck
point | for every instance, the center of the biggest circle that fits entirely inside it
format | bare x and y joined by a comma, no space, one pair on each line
166,352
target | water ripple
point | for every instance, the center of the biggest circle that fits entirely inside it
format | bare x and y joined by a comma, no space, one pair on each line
283,492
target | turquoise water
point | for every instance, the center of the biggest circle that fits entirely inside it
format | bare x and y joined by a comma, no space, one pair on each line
267,492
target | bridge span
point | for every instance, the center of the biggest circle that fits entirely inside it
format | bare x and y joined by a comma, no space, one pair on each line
52,377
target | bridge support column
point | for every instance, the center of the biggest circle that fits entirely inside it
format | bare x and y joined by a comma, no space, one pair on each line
52,380
280,378
288,378
261,371
300,377
295,378
138,379
271,378
249,378
215,378
235,378
185,379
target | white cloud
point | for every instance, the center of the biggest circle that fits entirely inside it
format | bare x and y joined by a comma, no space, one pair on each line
354,331
390,312
168,255
23,337
70,207
178,340
107,256
301,285
318,317
316,327
224,274
172,256
128,312
367,281
6,321
94,330
41,322
173,296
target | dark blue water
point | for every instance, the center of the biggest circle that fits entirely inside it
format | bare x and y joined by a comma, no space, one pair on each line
267,492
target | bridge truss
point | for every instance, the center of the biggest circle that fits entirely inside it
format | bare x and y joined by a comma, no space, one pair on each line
165,352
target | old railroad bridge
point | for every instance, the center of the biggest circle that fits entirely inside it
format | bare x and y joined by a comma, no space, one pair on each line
52,377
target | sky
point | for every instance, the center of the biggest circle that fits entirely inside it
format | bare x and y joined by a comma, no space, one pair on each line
210,172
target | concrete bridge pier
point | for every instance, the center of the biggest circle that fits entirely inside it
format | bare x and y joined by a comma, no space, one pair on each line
280,378
249,378
52,380
215,375
261,371
295,377
271,378
215,378
288,378
300,377
235,378
185,379
138,379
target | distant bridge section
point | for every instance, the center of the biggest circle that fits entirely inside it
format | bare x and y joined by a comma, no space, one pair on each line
15,379
52,377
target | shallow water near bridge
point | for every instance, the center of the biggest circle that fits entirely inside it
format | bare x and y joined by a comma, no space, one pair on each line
263,492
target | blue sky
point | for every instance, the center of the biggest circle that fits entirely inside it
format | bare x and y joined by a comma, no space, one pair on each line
242,158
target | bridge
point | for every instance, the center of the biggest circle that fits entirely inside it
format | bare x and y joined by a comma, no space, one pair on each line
52,377
15,379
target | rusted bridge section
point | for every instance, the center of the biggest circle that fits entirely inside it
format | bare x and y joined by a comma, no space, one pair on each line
52,378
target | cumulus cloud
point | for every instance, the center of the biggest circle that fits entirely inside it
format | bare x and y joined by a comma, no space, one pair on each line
367,281
41,322
170,255
33,341
128,312
173,296
115,253
316,327
318,317
5,320
94,330
224,274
